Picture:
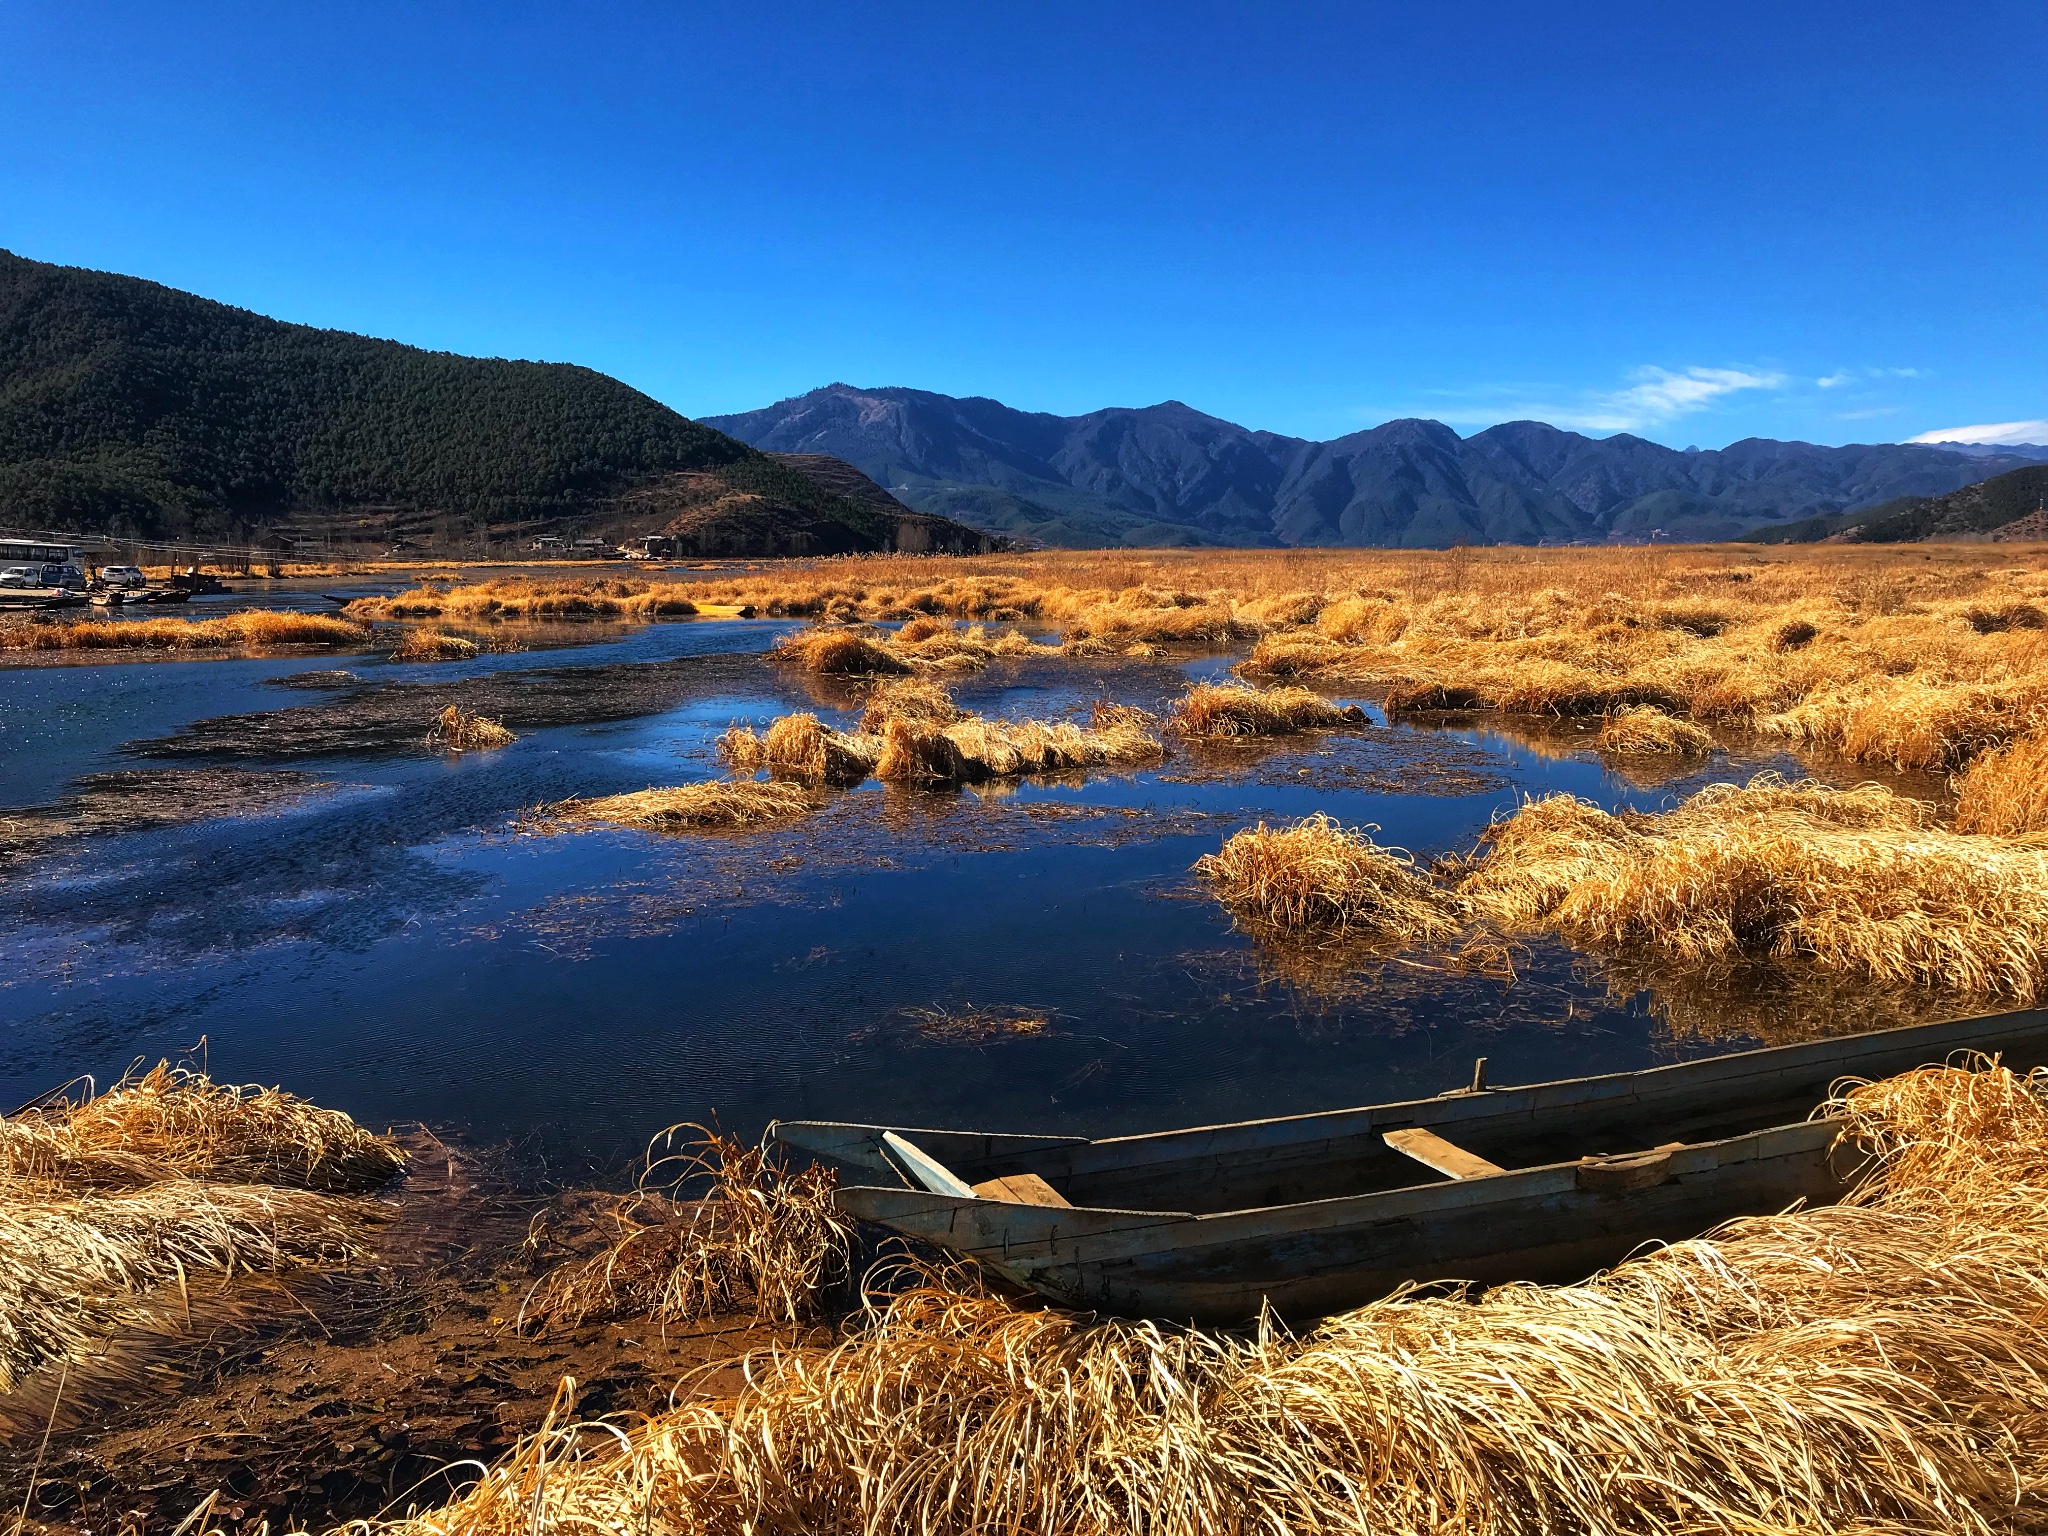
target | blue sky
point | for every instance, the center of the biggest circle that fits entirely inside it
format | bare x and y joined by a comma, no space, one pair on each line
1698,222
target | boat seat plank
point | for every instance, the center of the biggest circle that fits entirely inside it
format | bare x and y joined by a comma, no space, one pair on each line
1447,1158
1021,1189
925,1169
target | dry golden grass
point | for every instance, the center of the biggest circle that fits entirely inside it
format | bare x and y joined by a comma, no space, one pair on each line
837,653
172,1123
1877,1366
167,1180
455,730
256,629
429,645
709,806
548,597
909,698
906,737
973,749
1318,875
1857,882
804,747
1645,730
73,1265
2005,791
763,1237
1209,710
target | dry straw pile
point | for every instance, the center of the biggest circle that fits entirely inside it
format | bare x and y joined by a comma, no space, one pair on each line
1859,882
1209,710
456,730
1318,875
167,1183
1647,731
705,807
911,732
1875,1366
254,630
430,645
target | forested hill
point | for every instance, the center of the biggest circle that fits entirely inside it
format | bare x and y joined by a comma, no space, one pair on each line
133,409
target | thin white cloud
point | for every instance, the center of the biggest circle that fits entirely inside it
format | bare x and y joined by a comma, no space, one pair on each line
1659,395
1835,380
1989,432
1874,411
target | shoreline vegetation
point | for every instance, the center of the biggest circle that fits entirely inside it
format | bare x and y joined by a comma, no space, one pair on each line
1875,1364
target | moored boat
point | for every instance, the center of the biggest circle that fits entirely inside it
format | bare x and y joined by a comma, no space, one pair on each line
1314,1213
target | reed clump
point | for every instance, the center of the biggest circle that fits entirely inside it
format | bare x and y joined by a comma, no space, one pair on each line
598,597
1871,1366
2005,792
255,629
1859,882
761,1237
710,806
973,749
803,746
909,698
431,645
1318,875
174,1123
1648,731
1211,710
455,729
837,653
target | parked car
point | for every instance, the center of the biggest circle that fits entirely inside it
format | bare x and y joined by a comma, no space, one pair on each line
21,576
63,575
122,576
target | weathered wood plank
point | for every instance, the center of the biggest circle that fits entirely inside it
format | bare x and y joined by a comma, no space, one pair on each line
1432,1151
1021,1189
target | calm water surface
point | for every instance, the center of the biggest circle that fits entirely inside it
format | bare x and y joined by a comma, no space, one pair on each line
395,946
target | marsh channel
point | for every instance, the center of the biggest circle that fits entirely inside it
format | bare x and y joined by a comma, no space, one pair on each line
262,855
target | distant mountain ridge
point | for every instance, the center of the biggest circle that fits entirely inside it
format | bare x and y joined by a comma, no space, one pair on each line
1168,474
132,410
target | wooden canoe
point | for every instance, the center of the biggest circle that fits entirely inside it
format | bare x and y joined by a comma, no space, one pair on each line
1315,1213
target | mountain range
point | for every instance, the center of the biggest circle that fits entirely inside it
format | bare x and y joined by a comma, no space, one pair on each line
1168,474
132,410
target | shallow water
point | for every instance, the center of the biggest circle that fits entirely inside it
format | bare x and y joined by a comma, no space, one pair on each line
394,946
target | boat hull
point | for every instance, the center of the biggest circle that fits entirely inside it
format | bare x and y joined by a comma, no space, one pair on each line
1314,1213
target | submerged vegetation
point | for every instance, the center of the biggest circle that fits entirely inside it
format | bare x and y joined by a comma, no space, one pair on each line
1873,1365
